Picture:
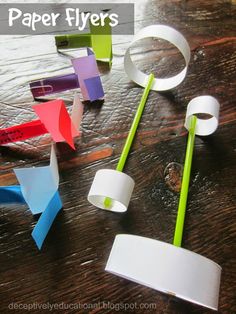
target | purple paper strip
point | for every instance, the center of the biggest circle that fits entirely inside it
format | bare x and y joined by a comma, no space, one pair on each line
54,84
86,68
94,88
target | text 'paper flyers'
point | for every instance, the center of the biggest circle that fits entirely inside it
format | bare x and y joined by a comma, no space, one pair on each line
39,190
85,76
53,119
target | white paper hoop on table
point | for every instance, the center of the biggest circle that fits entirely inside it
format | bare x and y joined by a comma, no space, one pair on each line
112,184
203,105
166,268
166,33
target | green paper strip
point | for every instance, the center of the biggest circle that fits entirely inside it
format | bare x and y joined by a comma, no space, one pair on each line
99,39
185,184
73,41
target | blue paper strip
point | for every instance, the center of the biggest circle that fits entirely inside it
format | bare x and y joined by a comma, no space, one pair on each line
11,195
46,219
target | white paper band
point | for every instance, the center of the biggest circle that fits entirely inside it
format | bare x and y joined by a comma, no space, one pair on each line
112,184
166,268
175,38
203,105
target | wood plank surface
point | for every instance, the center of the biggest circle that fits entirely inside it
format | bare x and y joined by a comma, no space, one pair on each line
70,267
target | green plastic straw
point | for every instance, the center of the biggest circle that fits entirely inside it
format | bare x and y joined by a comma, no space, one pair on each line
132,131
185,184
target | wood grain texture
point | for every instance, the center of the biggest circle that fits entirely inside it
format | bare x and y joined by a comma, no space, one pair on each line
70,267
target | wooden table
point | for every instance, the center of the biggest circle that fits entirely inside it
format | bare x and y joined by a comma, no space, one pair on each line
70,267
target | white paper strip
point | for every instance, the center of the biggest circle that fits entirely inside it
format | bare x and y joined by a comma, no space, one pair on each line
112,184
166,268
77,112
203,105
162,32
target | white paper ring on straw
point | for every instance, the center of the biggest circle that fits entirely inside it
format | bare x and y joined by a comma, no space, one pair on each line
172,36
112,184
166,268
203,105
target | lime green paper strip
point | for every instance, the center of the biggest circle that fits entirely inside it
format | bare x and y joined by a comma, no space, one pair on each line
99,39
72,41
185,184
132,132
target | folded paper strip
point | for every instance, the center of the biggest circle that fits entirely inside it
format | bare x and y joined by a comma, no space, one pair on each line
53,119
41,198
85,76
99,39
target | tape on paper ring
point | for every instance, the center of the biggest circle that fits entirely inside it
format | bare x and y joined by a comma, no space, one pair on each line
203,105
114,185
172,36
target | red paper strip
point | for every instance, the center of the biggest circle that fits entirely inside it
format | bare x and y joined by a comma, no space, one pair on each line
54,119
22,132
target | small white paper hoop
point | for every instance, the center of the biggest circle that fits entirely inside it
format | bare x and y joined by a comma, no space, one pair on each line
114,185
166,33
203,105
166,268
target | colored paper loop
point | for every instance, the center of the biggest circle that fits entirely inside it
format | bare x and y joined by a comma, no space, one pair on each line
172,36
166,268
203,105
54,119
86,77
112,184
99,39
39,190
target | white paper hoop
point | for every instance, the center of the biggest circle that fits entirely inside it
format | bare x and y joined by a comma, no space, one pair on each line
175,38
203,105
166,268
112,184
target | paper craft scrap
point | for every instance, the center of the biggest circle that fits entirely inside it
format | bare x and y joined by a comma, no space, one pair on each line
112,189
53,119
39,190
165,267
99,39
85,76
88,76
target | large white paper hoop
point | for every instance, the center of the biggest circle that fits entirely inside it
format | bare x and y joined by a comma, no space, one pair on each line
163,32
166,268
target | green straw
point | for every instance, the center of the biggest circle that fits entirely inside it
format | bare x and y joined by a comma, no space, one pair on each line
185,184
132,131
